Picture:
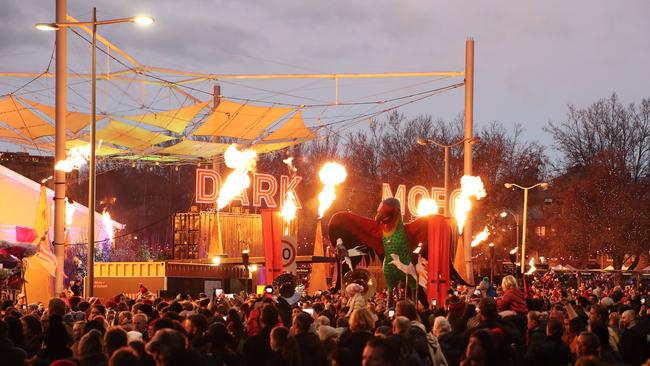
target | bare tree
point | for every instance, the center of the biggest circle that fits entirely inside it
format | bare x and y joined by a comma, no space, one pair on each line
601,192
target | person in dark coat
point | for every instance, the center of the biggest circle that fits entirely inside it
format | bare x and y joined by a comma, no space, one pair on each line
552,351
257,349
33,331
311,350
56,342
361,325
9,353
286,351
634,342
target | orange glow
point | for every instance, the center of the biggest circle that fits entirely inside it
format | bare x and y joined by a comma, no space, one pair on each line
331,174
242,162
470,187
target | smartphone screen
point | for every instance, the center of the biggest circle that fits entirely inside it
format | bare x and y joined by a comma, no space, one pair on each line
218,292
309,311
391,313
434,302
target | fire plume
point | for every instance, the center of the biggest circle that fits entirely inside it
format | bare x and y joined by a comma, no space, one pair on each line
288,211
470,186
532,269
427,207
78,156
331,174
69,213
481,237
108,225
242,162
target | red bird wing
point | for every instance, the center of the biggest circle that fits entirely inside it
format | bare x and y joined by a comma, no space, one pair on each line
417,232
355,230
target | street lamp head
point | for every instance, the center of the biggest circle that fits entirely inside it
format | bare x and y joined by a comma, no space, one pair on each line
46,26
503,214
143,20
544,185
507,185
422,141
491,245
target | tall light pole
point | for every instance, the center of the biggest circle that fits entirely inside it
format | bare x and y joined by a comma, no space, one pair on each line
516,217
468,126
60,27
543,185
424,142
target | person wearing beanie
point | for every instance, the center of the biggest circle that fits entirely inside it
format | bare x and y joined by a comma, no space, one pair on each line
91,349
455,305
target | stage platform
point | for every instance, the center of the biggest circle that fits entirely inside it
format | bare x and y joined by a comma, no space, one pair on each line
193,276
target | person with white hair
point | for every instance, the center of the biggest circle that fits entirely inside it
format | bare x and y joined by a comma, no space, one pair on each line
440,326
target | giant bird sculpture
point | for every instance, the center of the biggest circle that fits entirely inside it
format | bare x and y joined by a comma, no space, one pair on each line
386,235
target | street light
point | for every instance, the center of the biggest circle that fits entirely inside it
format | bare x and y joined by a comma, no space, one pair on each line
141,20
505,213
544,186
424,142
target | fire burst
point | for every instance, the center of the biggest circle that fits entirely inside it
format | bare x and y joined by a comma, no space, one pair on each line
69,213
470,186
481,237
427,207
108,225
532,269
288,211
331,174
242,162
78,156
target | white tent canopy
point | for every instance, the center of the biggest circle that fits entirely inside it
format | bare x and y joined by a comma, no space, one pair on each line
19,197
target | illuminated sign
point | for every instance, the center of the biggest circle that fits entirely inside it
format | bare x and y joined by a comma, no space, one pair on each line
265,189
415,194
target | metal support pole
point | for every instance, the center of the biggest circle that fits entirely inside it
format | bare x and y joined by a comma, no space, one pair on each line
446,209
59,146
467,151
91,166
523,233
517,237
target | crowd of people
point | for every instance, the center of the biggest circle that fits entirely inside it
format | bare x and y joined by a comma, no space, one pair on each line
551,324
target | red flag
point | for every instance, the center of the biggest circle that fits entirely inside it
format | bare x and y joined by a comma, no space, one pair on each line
272,238
439,240
25,234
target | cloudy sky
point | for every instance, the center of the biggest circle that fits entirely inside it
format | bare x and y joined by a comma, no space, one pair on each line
533,58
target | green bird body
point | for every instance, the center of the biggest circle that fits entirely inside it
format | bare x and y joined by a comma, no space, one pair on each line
396,242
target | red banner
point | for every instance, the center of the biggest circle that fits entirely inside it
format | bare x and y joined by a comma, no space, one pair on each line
439,240
272,238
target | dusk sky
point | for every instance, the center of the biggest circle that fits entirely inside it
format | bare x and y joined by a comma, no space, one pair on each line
532,58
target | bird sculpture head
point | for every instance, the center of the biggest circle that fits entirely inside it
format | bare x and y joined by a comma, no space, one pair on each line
389,213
